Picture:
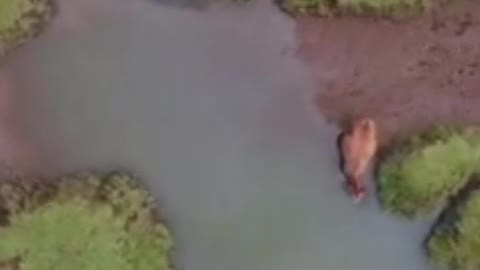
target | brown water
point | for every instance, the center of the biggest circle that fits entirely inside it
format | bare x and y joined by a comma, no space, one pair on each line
213,110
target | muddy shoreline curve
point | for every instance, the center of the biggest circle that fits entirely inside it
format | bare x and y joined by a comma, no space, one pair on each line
407,75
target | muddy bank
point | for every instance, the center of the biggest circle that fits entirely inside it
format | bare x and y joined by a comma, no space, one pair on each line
18,155
21,22
405,74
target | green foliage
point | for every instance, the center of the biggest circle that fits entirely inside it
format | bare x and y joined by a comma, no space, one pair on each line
455,242
320,7
419,175
84,221
65,236
21,20
356,7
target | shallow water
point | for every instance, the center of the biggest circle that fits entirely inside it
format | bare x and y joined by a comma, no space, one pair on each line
213,110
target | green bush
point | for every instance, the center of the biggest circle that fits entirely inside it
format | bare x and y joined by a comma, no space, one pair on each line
455,241
356,7
85,221
21,20
418,175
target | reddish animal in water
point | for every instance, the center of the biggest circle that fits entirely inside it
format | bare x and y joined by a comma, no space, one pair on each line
357,146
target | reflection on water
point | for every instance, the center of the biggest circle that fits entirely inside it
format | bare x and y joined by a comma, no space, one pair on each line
212,109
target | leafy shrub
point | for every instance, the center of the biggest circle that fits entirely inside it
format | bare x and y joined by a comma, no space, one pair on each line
357,7
420,174
455,241
83,221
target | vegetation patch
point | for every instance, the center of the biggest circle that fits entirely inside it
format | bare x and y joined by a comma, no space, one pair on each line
355,7
83,221
419,174
21,20
454,243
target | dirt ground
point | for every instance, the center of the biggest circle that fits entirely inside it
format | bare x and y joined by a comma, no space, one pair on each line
17,154
404,74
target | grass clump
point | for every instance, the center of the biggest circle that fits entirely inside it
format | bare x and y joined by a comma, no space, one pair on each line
355,7
454,243
419,175
21,20
84,221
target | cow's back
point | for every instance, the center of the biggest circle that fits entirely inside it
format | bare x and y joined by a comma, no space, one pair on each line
358,148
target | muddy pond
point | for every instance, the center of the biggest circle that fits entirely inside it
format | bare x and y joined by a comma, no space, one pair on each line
212,108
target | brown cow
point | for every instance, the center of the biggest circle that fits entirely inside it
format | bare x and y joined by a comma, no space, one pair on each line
357,147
